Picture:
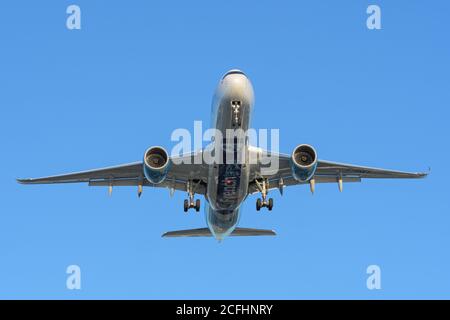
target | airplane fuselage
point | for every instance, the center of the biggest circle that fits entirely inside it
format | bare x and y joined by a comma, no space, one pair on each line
228,178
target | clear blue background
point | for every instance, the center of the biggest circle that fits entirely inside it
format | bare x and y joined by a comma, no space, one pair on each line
75,100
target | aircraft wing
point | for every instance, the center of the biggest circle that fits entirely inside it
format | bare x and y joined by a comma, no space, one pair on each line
327,172
183,168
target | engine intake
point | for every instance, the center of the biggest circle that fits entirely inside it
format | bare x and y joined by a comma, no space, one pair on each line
303,162
156,164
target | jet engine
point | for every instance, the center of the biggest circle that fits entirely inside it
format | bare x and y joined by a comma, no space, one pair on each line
156,164
303,162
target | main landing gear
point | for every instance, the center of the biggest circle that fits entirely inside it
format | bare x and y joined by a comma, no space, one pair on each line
263,187
190,203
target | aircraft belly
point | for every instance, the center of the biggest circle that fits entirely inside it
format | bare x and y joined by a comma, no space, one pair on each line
228,179
231,187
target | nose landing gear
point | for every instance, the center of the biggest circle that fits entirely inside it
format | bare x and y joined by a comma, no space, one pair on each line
236,106
263,187
190,203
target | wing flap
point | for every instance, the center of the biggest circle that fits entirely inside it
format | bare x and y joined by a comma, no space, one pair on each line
290,181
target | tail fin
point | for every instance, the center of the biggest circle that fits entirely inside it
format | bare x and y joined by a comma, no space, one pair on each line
205,232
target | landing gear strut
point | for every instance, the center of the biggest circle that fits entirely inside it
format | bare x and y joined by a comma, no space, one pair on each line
263,187
190,203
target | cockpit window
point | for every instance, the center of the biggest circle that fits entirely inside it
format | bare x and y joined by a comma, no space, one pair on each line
234,71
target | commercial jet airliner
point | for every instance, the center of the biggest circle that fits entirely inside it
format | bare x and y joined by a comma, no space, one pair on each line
226,184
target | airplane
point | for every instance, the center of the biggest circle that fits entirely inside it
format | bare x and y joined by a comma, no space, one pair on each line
225,186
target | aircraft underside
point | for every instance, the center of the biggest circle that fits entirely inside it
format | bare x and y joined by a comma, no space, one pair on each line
228,180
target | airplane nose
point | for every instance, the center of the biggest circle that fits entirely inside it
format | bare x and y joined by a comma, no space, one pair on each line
235,86
235,83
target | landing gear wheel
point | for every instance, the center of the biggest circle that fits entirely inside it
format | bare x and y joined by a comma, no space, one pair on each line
197,205
258,204
270,205
186,205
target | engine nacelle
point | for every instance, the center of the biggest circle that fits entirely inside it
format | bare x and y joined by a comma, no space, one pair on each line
156,164
303,162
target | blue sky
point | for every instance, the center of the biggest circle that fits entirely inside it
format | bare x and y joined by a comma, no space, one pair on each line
99,96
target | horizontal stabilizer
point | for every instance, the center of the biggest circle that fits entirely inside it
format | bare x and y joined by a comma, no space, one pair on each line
243,232
205,232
